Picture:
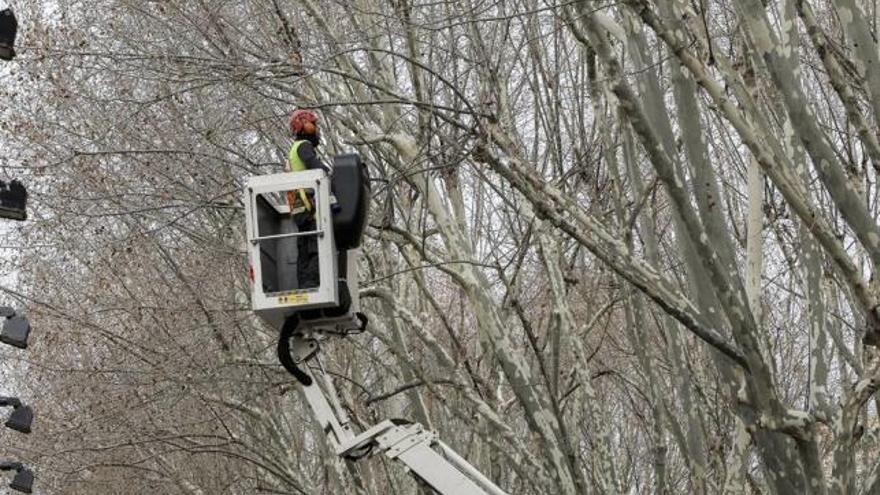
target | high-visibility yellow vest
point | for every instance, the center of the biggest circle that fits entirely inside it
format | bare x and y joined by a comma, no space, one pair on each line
293,161
295,164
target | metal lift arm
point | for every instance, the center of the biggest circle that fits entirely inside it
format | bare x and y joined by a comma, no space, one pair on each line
326,313
425,456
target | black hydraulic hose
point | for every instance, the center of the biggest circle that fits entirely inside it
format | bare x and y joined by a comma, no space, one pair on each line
364,321
284,356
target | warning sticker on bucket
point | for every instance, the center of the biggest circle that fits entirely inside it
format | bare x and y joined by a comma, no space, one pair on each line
293,299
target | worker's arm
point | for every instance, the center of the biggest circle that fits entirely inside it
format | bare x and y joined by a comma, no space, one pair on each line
308,156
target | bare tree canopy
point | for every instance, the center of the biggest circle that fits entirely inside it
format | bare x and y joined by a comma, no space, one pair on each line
618,247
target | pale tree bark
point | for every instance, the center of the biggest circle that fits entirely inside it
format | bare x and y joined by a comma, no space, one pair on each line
565,270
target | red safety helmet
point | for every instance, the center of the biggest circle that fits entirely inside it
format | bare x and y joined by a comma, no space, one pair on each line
303,122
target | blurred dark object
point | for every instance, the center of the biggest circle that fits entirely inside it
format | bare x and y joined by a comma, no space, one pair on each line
24,477
16,329
13,199
8,30
22,415
23,481
21,419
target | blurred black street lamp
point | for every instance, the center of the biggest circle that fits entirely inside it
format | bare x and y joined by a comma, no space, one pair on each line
16,329
22,416
13,197
24,477
8,29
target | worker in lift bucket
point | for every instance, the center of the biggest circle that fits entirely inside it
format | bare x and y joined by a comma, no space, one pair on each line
302,156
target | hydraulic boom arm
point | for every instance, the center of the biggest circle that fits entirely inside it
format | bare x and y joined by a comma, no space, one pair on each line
425,456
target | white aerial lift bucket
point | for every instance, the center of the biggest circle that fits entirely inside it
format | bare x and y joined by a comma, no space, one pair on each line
274,241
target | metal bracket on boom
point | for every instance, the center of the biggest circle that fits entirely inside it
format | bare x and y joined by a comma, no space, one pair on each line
425,456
